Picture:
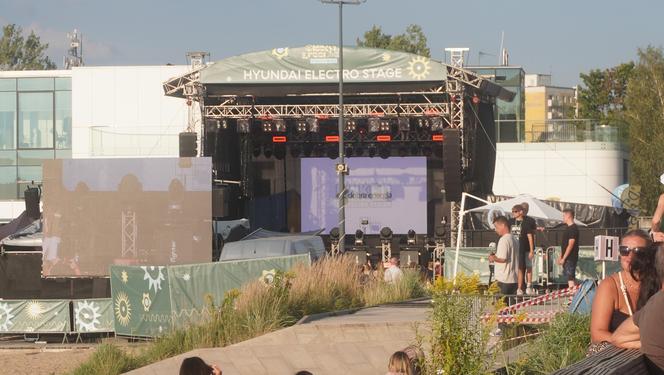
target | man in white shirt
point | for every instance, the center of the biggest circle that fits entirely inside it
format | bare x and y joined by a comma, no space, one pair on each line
506,257
393,272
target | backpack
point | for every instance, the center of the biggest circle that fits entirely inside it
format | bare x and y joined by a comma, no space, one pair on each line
582,302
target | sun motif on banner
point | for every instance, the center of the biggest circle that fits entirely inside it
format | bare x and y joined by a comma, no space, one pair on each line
124,277
5,317
280,53
386,57
35,310
87,316
418,67
123,309
147,302
153,282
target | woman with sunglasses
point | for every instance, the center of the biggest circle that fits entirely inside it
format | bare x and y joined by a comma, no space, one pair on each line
621,294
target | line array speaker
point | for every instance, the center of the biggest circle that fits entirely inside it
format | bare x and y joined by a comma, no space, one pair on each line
188,144
452,181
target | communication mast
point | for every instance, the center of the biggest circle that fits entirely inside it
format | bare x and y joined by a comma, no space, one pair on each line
74,55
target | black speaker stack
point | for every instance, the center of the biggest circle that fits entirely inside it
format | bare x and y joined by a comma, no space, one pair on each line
452,179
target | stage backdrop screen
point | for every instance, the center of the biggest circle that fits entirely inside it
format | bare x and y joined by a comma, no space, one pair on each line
380,192
99,212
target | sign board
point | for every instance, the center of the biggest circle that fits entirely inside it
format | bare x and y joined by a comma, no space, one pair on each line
606,248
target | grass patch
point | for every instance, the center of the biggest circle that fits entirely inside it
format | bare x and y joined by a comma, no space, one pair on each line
330,284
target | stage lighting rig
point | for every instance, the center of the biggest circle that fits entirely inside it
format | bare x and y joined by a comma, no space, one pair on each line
404,124
334,241
411,237
385,126
436,123
313,124
359,238
268,126
244,125
280,125
350,126
301,126
386,244
374,124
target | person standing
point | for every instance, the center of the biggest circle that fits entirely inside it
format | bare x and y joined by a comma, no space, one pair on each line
569,248
393,273
506,259
524,231
531,225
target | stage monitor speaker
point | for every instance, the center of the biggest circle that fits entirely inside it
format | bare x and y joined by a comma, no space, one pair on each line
452,165
360,257
408,257
31,196
188,144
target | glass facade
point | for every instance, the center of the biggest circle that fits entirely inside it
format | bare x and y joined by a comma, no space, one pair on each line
509,116
35,125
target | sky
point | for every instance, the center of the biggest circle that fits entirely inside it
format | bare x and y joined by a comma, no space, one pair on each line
558,37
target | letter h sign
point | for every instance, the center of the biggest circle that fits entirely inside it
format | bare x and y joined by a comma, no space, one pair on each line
606,248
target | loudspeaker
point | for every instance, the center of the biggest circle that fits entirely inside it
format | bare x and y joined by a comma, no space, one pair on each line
188,145
408,257
452,165
220,196
360,257
31,195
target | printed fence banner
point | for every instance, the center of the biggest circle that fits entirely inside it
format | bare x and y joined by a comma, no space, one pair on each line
149,301
93,315
141,300
191,285
38,316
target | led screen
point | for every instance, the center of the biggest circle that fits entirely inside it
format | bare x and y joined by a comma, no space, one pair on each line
380,192
99,212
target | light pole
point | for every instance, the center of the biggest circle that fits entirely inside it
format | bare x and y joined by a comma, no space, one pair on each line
341,167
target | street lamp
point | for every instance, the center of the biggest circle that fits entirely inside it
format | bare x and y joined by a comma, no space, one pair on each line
341,167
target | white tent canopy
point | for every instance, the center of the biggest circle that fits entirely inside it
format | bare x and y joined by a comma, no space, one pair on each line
536,209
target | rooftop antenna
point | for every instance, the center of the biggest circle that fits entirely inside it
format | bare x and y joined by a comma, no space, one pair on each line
74,56
502,44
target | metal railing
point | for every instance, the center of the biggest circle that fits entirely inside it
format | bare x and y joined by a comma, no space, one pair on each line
560,130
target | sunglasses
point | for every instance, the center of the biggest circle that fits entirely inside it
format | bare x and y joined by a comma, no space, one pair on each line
626,250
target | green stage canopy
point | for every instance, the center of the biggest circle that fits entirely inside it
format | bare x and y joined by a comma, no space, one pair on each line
314,68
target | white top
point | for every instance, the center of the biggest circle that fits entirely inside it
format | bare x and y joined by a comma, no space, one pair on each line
507,249
392,274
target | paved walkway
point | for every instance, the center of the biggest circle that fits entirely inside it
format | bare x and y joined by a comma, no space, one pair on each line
356,343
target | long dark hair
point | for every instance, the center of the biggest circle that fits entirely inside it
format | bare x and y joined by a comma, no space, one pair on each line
194,366
642,269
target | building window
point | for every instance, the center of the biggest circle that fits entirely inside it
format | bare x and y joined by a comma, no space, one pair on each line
63,120
35,84
7,182
7,84
35,120
7,120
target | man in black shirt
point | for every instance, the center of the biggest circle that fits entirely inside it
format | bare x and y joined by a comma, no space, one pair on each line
570,247
531,225
525,231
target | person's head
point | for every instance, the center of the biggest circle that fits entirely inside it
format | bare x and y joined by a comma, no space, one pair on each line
303,372
400,363
517,211
501,225
195,366
394,261
526,207
630,243
568,216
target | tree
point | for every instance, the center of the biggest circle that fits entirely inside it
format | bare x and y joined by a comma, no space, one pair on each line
413,40
644,104
602,94
20,53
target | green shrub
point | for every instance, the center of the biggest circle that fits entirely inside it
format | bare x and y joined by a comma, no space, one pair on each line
561,344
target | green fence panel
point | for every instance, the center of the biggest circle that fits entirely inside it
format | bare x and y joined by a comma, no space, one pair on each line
586,268
93,315
191,285
141,300
38,316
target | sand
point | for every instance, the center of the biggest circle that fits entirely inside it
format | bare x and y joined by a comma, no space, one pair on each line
47,362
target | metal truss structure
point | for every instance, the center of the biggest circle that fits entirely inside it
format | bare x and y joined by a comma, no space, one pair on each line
129,233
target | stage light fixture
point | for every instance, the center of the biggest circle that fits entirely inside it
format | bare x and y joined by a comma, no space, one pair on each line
386,234
332,151
280,125
313,124
350,126
384,152
374,124
295,151
256,151
280,151
404,124
244,125
224,124
334,234
359,238
334,241
349,150
411,237
268,126
439,233
268,151
301,126
372,151
436,123
385,126
386,244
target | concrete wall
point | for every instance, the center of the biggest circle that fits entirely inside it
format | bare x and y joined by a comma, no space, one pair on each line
571,172
121,111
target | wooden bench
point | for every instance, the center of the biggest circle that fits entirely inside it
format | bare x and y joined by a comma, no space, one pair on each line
610,361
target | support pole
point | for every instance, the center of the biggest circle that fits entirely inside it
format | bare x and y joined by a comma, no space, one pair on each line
342,175
458,239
